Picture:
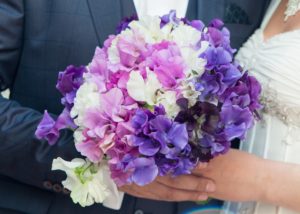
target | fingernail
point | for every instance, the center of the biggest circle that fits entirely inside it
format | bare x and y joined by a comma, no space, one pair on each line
202,197
202,165
210,187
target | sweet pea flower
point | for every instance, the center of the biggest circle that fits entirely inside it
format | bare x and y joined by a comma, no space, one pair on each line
149,27
236,121
89,183
167,63
145,170
168,100
143,90
124,24
47,130
87,97
68,83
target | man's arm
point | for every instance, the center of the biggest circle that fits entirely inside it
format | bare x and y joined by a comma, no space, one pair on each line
22,156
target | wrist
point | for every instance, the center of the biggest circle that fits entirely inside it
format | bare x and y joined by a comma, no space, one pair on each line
265,181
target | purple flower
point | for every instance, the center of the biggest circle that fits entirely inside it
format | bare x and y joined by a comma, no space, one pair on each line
125,22
68,83
159,134
171,17
245,93
145,171
175,166
168,133
216,147
140,119
254,91
216,57
216,23
236,121
47,130
197,24
214,83
64,121
163,139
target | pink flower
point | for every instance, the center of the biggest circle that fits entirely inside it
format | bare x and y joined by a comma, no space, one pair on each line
98,70
99,63
91,150
105,125
98,124
130,47
111,104
107,43
166,61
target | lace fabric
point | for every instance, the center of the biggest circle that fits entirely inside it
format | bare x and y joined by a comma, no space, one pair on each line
273,105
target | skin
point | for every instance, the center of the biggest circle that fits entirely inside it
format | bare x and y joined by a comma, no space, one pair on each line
236,176
277,25
181,188
240,176
244,177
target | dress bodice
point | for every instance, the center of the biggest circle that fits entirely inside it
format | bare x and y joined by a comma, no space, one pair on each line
276,64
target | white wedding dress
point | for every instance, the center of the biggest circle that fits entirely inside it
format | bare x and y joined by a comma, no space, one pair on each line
276,64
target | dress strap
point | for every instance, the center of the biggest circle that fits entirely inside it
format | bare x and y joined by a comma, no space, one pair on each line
271,9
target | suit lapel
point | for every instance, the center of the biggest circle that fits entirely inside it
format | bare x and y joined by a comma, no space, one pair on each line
107,14
128,8
191,12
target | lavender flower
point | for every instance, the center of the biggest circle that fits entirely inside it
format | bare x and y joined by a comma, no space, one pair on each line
161,140
68,83
47,130
125,22
169,18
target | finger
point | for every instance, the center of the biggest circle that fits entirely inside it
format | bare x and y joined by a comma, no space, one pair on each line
188,182
201,165
200,168
171,194
157,191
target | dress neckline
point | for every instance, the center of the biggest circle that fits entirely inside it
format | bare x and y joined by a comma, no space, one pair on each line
276,36
271,10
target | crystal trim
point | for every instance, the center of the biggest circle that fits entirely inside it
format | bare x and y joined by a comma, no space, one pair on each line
292,7
272,105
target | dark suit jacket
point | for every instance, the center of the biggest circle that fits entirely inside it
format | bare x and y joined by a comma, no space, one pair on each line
38,38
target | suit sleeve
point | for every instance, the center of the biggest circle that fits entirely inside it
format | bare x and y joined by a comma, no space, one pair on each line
22,156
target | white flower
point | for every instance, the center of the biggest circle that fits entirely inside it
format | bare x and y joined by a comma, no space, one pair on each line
188,91
168,100
89,183
193,61
87,96
149,27
143,90
78,136
113,51
186,36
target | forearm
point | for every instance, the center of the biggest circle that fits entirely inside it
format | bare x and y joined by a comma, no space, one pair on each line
282,184
22,156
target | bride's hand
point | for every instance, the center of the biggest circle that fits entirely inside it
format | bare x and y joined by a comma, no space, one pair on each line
181,188
237,176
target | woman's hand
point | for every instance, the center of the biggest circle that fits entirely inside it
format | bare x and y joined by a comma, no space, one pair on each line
238,176
181,188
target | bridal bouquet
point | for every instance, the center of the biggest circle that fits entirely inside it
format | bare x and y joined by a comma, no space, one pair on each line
157,98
